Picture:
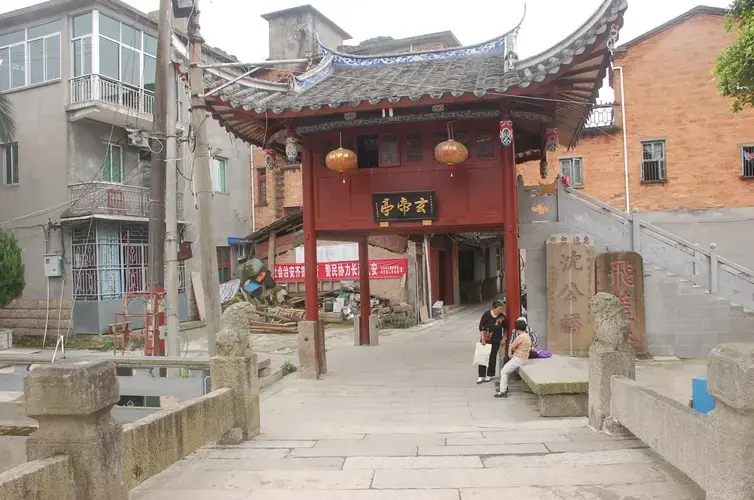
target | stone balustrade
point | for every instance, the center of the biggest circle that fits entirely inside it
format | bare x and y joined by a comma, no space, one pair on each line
80,452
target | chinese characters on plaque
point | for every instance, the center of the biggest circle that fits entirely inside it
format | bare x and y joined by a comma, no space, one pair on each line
570,285
622,274
345,270
405,206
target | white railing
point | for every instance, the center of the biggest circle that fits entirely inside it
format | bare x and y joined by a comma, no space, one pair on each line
704,267
99,88
110,198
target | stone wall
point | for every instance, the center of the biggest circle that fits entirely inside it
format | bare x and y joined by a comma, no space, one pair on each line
152,444
39,480
27,317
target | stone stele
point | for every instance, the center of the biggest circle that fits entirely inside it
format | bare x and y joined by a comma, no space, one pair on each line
622,274
570,285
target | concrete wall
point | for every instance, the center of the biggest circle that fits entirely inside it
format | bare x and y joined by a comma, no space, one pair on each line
295,36
675,431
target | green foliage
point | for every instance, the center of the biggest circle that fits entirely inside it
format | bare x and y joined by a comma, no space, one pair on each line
11,268
7,119
734,69
375,40
397,321
108,345
287,368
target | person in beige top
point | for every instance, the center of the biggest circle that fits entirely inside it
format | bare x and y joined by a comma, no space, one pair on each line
520,349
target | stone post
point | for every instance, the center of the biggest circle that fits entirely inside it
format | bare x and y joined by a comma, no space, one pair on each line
730,378
308,358
610,354
72,403
235,367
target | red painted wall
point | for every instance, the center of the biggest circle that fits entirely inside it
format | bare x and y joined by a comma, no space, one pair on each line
473,197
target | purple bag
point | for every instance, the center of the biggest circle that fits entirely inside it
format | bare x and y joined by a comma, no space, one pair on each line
541,354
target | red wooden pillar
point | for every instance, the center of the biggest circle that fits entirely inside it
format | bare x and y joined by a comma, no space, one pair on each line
364,292
510,230
310,235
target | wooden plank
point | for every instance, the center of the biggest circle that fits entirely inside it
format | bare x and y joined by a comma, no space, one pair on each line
196,281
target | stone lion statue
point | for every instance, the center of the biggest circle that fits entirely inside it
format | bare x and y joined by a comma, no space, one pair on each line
610,324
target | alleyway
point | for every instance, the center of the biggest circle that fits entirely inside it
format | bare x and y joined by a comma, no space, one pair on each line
405,421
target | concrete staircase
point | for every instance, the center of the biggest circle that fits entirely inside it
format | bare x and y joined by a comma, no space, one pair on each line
684,319
695,298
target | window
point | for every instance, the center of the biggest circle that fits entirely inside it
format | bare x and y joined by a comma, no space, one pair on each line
388,148
111,170
572,167
653,168
747,161
9,163
126,54
485,145
368,150
414,153
261,186
218,175
30,56
223,264
290,211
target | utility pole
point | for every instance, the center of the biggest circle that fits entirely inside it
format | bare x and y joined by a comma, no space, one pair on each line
202,165
171,217
159,154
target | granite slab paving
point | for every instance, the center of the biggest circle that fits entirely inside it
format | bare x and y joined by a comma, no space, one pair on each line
406,421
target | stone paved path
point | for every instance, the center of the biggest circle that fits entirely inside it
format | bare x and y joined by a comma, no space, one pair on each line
405,421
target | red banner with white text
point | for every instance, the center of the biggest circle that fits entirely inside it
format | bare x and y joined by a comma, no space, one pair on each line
345,270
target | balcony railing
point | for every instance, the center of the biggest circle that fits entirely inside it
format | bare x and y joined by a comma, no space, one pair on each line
602,116
106,198
92,88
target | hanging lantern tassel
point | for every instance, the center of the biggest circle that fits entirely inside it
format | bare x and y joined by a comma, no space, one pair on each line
506,133
551,140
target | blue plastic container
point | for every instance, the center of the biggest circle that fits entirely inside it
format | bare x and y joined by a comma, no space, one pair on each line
703,402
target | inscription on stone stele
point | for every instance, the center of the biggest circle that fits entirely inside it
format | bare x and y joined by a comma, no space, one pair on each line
570,285
622,274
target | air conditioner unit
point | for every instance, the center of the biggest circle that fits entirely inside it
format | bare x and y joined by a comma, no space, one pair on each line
137,140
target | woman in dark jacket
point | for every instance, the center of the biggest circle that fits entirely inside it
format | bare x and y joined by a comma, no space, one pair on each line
492,330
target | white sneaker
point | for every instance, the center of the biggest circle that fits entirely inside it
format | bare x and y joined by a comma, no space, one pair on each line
487,379
479,380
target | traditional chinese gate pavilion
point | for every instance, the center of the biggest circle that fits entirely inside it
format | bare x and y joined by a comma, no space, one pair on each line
392,111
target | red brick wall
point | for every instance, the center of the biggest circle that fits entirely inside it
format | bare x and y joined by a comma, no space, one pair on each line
284,189
670,94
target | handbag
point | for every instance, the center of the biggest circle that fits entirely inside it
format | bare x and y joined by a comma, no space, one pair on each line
482,354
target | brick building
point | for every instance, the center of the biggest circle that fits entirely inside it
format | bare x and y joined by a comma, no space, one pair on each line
689,157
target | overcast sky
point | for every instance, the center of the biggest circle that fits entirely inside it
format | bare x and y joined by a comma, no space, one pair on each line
235,25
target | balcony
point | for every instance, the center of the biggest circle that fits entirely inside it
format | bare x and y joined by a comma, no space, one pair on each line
109,101
106,198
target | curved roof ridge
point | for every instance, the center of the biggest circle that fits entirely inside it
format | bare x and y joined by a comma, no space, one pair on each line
453,51
606,12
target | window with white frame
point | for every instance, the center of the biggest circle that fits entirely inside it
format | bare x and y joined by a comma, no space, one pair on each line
30,56
653,166
9,163
112,168
218,175
747,161
126,54
572,167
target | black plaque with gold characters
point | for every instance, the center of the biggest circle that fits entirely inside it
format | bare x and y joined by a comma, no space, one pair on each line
404,206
